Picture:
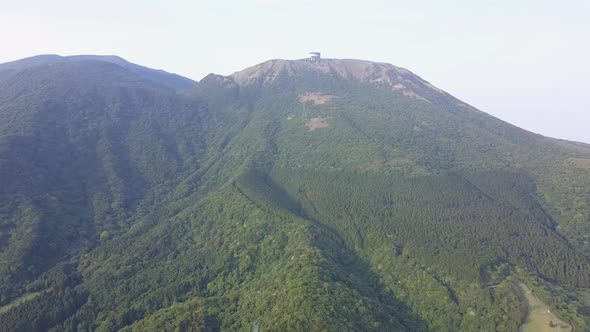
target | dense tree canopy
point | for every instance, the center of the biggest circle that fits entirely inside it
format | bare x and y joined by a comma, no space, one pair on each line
125,204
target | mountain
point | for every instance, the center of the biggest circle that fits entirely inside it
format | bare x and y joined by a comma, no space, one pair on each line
293,195
159,77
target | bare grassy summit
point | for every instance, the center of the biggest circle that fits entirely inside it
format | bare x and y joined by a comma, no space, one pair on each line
381,74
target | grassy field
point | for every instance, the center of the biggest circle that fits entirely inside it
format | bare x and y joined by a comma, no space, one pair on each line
539,317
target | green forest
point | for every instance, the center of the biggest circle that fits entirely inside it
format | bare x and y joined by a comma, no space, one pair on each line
297,200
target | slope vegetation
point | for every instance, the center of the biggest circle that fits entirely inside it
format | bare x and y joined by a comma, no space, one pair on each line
128,205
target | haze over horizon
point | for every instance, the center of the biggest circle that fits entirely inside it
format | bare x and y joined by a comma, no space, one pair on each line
524,62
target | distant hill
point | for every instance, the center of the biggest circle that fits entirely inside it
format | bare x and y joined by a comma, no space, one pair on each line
160,77
295,195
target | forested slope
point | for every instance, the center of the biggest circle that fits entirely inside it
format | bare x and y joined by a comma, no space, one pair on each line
82,145
334,196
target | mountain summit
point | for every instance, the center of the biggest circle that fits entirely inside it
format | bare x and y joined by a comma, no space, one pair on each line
382,74
294,195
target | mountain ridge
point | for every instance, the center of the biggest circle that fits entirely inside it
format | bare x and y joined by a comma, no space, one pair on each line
170,80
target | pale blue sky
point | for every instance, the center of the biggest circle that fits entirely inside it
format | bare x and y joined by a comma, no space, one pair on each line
524,61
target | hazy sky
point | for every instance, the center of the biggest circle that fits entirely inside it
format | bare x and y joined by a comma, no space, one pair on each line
524,61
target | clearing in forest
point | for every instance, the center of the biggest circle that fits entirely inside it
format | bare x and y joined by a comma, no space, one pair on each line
317,98
317,123
539,318
580,163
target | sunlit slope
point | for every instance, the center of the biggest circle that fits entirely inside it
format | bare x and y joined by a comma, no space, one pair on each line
383,118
